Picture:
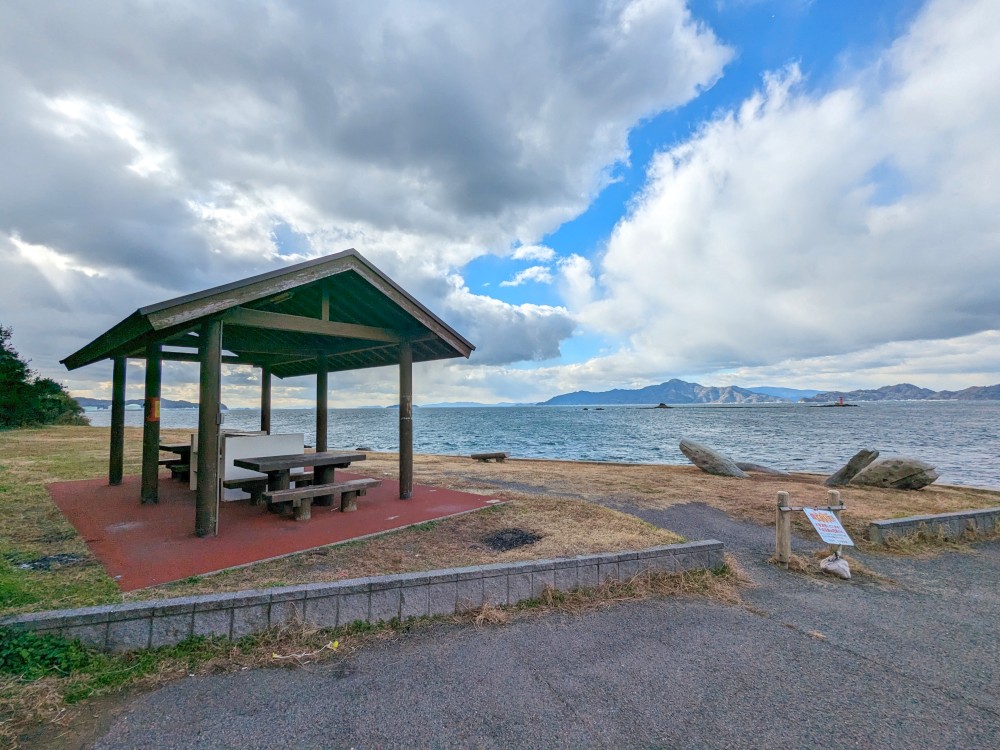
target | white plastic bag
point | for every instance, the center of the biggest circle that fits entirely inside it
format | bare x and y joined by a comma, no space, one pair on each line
836,565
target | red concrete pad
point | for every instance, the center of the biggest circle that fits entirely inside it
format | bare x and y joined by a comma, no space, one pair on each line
144,545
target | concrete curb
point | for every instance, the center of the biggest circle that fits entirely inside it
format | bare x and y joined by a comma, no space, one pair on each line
164,622
950,525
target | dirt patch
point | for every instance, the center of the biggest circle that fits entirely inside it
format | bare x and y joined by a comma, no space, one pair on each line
50,562
508,539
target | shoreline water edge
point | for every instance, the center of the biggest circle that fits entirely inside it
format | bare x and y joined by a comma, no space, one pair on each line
961,439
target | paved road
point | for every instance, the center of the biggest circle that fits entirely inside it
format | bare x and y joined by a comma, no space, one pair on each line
804,663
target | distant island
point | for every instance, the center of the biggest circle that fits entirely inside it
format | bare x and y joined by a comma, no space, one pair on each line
672,392
165,403
681,392
910,392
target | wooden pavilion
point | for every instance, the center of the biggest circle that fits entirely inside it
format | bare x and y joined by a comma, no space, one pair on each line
326,315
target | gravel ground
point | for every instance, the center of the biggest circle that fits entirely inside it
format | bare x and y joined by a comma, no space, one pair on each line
803,663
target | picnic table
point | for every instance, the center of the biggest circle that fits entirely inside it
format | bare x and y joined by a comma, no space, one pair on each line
279,474
279,468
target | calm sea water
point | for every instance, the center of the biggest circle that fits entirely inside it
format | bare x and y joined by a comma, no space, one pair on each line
960,438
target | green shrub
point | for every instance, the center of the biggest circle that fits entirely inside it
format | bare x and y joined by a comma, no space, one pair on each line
32,656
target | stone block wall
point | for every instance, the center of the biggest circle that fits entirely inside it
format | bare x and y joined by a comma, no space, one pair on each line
126,627
981,522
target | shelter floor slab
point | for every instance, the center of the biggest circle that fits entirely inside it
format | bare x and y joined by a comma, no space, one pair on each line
146,545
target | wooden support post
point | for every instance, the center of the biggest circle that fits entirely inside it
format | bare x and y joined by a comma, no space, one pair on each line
151,425
209,421
833,500
265,400
783,530
117,453
405,421
322,405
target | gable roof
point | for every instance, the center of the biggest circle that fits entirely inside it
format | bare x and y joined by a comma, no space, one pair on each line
276,320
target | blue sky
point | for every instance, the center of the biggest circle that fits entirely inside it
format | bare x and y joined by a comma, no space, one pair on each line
599,194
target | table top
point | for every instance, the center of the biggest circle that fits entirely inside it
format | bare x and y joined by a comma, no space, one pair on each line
294,460
175,447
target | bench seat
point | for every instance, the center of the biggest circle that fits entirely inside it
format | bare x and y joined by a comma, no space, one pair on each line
301,497
256,486
498,456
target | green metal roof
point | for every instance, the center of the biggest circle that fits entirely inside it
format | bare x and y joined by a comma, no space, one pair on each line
275,320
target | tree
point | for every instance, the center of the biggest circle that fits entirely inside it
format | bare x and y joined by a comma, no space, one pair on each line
25,398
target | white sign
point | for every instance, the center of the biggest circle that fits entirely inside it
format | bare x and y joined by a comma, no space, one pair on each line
828,526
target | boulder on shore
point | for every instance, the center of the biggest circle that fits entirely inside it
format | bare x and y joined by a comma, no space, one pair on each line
711,461
759,468
848,471
896,473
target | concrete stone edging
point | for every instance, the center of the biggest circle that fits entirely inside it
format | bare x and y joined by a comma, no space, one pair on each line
951,525
150,624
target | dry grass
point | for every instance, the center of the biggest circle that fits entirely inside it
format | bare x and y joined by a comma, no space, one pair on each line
561,501
659,486
31,526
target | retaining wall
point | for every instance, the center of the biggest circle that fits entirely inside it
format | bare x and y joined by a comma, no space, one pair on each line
950,525
149,624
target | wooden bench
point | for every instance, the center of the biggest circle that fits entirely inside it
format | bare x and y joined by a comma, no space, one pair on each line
499,456
301,497
257,486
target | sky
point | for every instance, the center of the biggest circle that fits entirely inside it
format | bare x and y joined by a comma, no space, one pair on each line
598,194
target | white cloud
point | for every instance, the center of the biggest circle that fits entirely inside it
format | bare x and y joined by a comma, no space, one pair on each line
163,147
534,252
576,281
538,274
809,224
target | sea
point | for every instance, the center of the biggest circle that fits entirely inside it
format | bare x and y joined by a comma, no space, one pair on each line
961,439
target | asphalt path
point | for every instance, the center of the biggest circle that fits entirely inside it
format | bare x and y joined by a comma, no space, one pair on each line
801,663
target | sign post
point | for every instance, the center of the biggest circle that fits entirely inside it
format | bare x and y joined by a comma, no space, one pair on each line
826,521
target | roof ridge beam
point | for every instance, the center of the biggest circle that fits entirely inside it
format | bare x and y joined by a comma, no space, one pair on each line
247,318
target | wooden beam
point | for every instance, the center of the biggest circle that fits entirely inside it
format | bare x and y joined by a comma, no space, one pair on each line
265,400
209,420
405,421
151,427
228,359
246,318
116,460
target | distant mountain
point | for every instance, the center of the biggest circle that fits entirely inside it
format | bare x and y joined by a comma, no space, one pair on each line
165,403
672,392
790,394
909,392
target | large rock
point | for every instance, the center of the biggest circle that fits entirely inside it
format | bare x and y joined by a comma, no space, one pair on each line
848,471
896,473
761,469
711,461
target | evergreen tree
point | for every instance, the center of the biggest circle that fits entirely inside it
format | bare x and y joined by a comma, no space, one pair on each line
25,398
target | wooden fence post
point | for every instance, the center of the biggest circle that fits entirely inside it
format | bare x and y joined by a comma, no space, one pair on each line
833,500
783,530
